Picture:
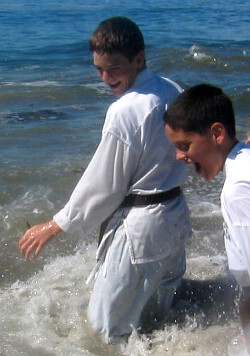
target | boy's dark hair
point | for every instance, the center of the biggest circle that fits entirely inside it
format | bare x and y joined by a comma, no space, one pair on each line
197,108
117,34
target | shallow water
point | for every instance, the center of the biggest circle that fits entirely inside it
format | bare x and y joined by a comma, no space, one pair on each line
52,107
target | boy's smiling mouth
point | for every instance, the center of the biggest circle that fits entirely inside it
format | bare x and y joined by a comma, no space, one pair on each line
197,167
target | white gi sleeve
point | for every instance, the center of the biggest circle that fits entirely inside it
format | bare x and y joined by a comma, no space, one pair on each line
102,187
237,242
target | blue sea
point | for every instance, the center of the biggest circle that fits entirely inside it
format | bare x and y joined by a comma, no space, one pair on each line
52,108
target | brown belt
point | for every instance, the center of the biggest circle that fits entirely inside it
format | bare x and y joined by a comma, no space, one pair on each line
141,200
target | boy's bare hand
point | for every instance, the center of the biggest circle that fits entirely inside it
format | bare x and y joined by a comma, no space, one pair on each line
37,237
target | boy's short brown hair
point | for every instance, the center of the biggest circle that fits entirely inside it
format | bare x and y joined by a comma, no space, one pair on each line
197,108
117,35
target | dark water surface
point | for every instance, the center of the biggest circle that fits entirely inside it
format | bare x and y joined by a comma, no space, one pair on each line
52,107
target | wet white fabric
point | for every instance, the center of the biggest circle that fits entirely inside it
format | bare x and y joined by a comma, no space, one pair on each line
141,245
235,205
134,156
122,289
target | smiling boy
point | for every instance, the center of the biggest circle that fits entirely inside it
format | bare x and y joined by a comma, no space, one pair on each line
201,125
133,180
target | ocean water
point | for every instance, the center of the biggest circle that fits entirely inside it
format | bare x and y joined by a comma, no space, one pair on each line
52,107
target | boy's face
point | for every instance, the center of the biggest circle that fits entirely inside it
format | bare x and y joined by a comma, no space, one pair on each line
117,71
200,150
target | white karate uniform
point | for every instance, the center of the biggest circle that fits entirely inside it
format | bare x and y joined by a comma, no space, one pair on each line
134,156
235,205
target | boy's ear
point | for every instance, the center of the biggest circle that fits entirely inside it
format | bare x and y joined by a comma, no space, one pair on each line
140,59
219,132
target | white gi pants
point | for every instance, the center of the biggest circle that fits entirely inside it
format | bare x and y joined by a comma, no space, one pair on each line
122,289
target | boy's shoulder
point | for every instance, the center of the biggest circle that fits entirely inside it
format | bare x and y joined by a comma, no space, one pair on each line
238,164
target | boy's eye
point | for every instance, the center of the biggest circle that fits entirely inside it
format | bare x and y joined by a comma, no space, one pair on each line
184,147
114,69
110,71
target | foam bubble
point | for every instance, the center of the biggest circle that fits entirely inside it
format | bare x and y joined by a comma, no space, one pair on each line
46,315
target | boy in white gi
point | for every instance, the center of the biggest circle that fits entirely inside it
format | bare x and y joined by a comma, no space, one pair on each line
201,125
133,184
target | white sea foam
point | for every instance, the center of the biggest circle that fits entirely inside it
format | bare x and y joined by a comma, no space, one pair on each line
46,315
100,87
197,53
42,83
206,209
35,83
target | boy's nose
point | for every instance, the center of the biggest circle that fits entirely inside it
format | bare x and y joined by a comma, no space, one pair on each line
180,156
104,74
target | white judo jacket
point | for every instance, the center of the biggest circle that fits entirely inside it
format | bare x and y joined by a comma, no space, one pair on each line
134,156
